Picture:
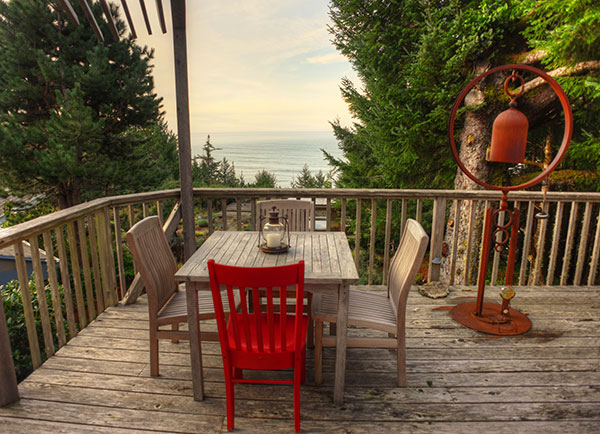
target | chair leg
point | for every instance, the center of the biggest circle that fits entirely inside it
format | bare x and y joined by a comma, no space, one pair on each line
238,374
303,367
153,353
401,361
311,324
318,352
175,328
297,380
230,397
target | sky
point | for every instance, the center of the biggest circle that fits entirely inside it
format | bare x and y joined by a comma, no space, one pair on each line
253,65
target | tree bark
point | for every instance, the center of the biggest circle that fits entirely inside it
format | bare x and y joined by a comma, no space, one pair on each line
473,139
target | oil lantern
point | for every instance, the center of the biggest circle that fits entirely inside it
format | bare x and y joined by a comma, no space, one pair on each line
274,236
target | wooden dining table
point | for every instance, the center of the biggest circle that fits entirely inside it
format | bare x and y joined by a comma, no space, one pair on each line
329,266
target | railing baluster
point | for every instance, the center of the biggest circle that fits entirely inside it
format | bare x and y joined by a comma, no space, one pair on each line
40,289
224,213
372,240
357,233
583,237
386,243
403,212
145,209
9,392
66,281
455,226
119,251
467,270
541,244
419,211
555,242
131,218
437,238
159,211
253,221
343,216
595,254
328,215
76,275
107,254
526,244
54,291
564,275
85,265
34,346
238,213
96,263
496,260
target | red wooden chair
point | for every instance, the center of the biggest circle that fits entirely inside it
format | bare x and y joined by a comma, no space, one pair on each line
259,338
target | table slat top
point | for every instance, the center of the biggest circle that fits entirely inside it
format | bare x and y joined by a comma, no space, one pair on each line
326,255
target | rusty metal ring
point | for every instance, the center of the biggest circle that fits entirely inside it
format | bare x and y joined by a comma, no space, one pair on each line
512,77
495,218
566,106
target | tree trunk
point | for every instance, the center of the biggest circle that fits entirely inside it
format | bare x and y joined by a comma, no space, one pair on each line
69,194
474,139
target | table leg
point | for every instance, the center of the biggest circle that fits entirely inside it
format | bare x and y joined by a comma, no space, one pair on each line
195,343
340,344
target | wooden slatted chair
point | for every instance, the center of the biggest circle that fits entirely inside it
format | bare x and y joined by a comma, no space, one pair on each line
166,303
300,213
301,217
260,338
376,311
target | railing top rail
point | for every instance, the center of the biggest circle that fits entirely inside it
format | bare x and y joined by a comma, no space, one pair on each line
22,231
353,193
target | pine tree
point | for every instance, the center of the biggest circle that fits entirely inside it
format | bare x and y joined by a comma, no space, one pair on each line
75,113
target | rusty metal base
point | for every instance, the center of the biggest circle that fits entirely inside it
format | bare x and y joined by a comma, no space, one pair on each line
491,320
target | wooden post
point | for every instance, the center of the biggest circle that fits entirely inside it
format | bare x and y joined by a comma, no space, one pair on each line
183,125
437,238
8,380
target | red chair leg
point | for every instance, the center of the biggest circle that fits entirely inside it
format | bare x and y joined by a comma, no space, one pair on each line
297,380
303,367
238,374
229,394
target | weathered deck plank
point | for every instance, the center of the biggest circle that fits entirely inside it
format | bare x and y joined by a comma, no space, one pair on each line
547,380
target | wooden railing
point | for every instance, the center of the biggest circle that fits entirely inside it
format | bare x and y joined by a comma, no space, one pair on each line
91,274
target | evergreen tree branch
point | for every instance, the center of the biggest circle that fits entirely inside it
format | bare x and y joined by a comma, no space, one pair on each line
579,68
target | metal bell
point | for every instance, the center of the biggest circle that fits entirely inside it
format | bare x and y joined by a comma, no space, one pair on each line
509,137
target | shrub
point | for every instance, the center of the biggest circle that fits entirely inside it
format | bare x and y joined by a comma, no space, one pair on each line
17,331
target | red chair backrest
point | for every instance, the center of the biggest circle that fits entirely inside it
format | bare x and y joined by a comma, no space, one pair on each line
243,284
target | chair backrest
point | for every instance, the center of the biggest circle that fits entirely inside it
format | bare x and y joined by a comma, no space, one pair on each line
245,283
406,263
300,213
154,260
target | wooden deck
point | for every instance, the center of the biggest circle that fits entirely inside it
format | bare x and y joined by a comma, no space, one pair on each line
547,380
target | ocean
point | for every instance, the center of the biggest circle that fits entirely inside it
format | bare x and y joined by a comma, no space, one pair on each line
283,153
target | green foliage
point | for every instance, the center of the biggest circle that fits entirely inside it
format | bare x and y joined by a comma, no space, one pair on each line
79,119
413,57
264,179
15,321
206,171
19,210
307,180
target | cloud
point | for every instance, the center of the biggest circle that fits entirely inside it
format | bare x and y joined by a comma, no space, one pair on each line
327,59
